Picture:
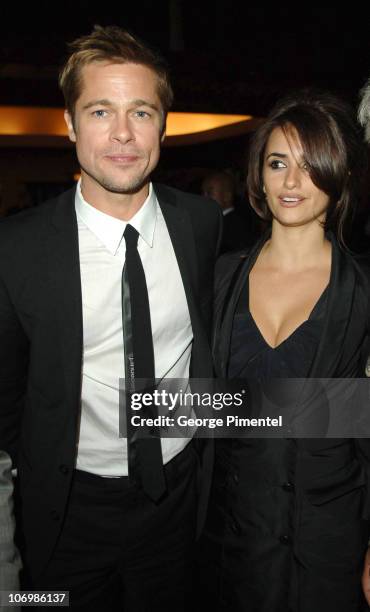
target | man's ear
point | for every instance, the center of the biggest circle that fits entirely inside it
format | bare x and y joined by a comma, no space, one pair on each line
163,136
70,126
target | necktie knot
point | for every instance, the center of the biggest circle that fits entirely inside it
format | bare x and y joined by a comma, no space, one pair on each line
131,236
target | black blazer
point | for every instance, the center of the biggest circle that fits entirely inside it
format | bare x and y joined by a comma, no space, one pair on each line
41,343
330,477
341,353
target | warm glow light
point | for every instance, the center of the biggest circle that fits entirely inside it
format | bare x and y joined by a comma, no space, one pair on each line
36,125
26,121
179,124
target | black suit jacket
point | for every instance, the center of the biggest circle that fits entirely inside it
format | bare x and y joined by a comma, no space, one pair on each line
41,343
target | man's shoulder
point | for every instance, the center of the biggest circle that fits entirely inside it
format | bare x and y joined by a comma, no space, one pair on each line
30,222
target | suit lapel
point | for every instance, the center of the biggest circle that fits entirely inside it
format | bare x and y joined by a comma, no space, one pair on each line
65,283
182,238
183,241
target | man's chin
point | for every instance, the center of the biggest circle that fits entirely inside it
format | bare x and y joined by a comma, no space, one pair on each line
128,187
124,189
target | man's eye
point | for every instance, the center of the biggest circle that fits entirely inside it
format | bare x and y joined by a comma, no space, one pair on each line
100,113
142,114
276,164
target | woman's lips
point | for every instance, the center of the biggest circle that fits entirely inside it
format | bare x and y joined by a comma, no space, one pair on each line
290,201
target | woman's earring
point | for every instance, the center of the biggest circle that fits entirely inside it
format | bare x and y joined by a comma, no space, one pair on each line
264,189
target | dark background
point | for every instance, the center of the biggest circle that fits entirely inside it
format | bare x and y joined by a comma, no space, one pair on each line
229,56
226,56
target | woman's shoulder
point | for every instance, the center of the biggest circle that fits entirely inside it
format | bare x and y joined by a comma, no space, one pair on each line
359,263
227,265
362,263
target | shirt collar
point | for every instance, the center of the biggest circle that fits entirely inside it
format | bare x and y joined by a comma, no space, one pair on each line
109,230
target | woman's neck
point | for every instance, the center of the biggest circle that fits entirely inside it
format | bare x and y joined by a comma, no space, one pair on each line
295,248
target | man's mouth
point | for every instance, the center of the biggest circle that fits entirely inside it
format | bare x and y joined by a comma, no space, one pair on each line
122,159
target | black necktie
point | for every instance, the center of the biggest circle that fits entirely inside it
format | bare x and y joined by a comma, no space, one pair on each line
144,453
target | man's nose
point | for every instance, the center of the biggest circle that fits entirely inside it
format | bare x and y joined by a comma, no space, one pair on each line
121,130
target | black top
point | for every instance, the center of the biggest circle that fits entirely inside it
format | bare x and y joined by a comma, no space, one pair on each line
252,357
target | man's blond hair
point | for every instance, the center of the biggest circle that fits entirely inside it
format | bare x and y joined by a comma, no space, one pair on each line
114,45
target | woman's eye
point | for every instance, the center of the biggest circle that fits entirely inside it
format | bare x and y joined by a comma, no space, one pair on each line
276,164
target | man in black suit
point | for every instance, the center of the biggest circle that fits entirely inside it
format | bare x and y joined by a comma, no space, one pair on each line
91,525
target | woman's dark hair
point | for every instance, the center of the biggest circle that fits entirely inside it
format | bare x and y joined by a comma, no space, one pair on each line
332,148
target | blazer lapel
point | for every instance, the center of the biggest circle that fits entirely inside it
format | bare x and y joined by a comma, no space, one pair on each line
224,324
337,317
65,282
338,313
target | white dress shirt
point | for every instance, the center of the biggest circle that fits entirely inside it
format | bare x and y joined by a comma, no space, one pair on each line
102,256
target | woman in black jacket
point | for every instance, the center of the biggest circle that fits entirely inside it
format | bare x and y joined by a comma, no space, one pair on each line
287,529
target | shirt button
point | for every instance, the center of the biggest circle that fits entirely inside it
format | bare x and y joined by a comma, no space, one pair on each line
288,487
285,539
236,477
63,469
55,515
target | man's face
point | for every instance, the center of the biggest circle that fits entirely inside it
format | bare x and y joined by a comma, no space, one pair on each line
117,128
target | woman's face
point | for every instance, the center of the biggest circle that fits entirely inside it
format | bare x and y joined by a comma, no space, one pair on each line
291,195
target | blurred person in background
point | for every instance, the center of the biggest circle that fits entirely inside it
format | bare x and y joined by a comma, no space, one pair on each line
364,110
239,230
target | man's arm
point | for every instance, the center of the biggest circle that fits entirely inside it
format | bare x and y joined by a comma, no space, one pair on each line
10,562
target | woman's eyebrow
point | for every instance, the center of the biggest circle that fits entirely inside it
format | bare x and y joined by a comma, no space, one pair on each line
275,154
